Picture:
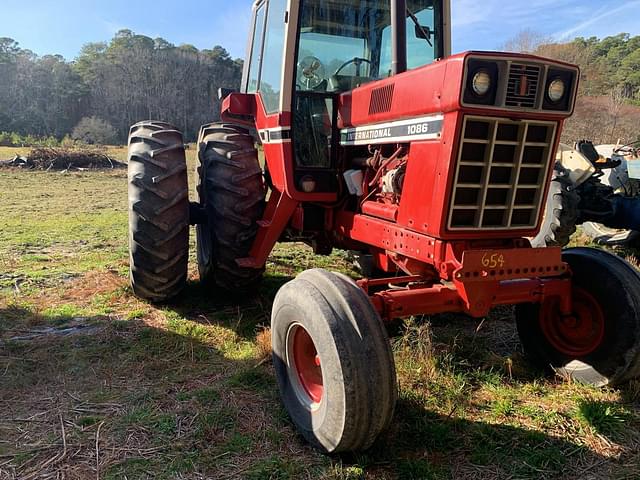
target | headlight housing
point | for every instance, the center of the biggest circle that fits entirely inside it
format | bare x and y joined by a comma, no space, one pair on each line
481,84
559,89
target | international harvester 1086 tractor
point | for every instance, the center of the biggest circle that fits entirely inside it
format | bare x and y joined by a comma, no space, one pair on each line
376,140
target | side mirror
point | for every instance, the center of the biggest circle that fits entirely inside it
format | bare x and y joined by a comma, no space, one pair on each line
424,32
224,93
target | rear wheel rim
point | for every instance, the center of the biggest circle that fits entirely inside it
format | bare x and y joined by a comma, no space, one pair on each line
577,335
304,367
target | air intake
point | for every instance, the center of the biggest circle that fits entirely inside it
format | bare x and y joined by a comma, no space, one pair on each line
381,99
522,89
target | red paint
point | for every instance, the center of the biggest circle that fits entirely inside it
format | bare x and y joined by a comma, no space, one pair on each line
239,108
432,300
411,235
434,88
579,333
307,364
380,210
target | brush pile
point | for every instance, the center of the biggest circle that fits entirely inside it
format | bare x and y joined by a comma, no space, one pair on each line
64,159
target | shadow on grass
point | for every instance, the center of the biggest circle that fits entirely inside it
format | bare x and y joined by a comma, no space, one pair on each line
424,445
161,403
169,403
243,312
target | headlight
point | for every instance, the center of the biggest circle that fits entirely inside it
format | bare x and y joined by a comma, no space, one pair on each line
556,90
481,83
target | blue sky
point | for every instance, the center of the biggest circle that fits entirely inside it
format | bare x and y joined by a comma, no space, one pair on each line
63,26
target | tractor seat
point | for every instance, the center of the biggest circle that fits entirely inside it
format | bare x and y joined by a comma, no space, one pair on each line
587,149
344,83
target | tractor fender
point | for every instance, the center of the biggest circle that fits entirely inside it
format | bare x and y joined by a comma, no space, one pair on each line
618,178
579,167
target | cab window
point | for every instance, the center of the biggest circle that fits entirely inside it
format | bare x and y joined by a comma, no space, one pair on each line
423,36
271,72
256,51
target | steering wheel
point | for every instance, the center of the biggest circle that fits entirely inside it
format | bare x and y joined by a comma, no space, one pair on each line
357,61
310,72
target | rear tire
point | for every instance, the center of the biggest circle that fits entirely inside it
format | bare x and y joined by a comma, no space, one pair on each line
561,212
333,362
601,344
232,192
158,211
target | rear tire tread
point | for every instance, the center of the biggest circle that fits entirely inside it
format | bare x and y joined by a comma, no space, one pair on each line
159,211
561,213
232,191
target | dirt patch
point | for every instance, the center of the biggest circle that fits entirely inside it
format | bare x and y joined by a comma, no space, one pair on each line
64,159
91,284
83,290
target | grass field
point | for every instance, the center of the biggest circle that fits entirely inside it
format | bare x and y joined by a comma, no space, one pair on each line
97,384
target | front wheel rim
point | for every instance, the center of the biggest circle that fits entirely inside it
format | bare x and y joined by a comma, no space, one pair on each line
304,367
577,335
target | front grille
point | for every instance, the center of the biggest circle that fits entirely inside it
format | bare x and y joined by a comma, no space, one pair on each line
501,172
522,88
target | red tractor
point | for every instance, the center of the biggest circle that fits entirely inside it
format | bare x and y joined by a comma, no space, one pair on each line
433,167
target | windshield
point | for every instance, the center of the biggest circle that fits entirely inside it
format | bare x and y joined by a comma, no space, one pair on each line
345,43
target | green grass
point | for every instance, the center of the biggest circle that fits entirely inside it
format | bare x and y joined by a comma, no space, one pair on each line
275,468
7,153
606,418
183,391
54,227
207,396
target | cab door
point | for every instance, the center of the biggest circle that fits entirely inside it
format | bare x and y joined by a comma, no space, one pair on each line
264,71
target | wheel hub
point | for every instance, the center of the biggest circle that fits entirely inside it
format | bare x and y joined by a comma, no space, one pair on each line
575,335
305,366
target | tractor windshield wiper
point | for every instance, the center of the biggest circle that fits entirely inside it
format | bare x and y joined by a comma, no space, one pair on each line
425,34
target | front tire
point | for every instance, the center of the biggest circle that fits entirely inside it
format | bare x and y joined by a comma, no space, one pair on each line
158,211
600,343
333,362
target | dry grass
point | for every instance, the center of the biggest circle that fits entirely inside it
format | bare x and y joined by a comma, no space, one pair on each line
7,153
263,344
187,391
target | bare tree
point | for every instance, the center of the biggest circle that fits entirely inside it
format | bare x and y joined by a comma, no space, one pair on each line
525,41
614,107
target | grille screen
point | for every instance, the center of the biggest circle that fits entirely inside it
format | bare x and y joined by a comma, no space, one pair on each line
501,173
381,99
522,89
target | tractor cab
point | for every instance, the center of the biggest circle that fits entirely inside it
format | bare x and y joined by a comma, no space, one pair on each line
343,45
303,55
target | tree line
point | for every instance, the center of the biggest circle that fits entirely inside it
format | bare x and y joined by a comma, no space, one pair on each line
134,77
130,78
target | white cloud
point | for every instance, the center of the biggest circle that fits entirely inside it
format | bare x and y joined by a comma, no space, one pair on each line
488,24
603,13
467,12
